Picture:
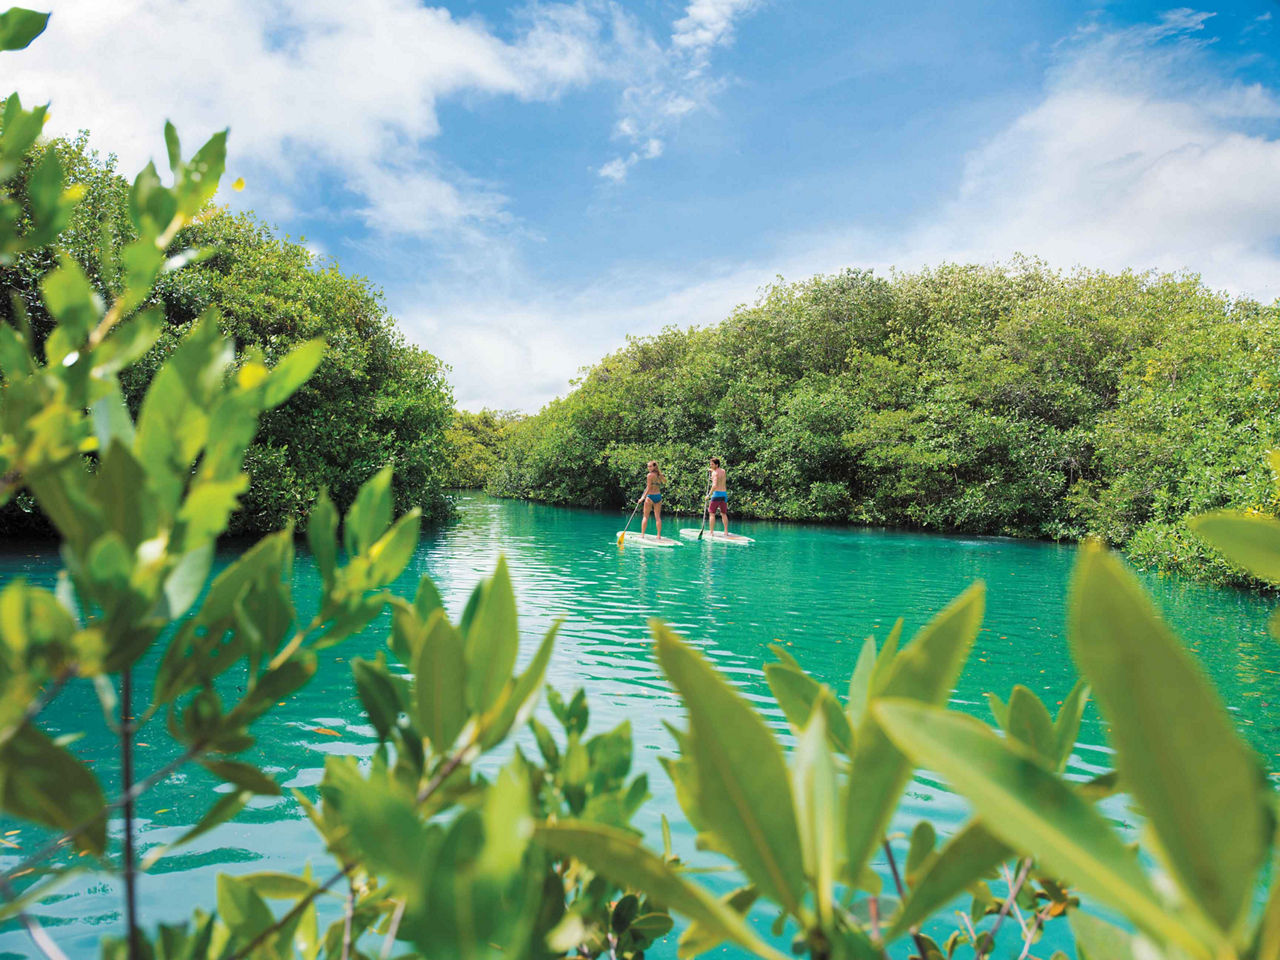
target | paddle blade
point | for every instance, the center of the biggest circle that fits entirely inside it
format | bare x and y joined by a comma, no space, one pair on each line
622,538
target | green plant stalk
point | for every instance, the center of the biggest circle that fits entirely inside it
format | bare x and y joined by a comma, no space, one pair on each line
424,794
1014,890
902,896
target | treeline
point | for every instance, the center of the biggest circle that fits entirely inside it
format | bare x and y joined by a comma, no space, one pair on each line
1010,400
475,442
375,400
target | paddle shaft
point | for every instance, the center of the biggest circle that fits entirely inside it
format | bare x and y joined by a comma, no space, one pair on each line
632,517
706,510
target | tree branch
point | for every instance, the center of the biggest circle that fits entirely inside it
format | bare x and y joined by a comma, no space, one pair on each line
902,896
1004,909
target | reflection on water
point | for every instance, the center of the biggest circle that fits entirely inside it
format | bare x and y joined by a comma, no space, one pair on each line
817,590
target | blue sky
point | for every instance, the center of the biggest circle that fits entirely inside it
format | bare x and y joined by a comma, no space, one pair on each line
530,183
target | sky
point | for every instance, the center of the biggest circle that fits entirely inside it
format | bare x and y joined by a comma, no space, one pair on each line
531,183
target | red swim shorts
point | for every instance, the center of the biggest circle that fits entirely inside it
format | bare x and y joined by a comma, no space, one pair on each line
719,506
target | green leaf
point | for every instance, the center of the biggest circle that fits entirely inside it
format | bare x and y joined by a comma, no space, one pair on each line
377,693
520,697
814,787
393,551
1098,940
1067,727
243,775
45,784
1024,804
292,372
440,699
797,692
1028,721
492,641
370,514
860,682
427,600
926,670
620,857
1177,751
965,859
241,909
1248,541
18,27
742,785
277,886
322,533
920,851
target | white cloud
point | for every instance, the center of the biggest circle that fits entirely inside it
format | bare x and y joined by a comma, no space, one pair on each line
666,82
312,87
1138,154
708,23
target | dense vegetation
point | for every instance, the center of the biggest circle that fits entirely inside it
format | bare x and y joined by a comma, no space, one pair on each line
538,859
375,400
1000,400
475,446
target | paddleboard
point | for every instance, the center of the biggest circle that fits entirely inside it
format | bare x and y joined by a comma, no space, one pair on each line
689,533
634,539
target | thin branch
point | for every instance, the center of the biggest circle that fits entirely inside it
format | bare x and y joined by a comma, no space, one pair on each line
1017,911
1041,916
348,910
139,788
423,795
442,774
1004,909
902,896
389,943
873,907
294,911
39,936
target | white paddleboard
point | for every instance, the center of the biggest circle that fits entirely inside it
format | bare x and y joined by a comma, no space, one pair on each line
689,533
634,539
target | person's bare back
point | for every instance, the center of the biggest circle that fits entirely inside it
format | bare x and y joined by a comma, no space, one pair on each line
718,496
652,497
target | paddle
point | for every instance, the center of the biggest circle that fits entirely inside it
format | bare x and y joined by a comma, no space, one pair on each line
705,511
623,535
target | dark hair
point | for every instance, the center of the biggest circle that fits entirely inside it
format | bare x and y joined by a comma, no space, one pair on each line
716,461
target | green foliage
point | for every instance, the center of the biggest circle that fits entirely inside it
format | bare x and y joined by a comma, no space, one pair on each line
537,856
475,443
1003,400
374,399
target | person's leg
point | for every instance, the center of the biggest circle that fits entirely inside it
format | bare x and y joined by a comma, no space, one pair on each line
644,520
657,517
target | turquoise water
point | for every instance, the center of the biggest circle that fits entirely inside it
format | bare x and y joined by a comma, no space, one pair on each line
818,590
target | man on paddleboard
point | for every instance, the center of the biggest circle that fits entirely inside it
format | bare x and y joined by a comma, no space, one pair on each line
653,497
719,502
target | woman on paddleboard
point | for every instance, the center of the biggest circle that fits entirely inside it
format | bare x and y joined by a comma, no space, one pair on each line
653,497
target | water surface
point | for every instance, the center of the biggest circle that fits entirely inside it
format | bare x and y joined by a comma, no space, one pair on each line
818,590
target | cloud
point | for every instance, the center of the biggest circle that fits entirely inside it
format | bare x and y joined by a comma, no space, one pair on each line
1139,153
667,82
707,23
316,88
617,168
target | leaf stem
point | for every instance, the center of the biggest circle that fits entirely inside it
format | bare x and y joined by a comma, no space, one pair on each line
1014,889
424,794
138,789
902,896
